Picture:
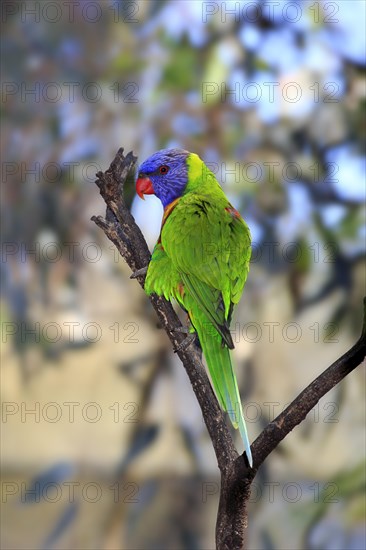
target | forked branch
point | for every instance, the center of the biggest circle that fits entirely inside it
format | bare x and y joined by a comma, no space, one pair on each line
236,476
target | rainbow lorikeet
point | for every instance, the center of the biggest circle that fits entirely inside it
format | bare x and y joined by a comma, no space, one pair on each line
201,259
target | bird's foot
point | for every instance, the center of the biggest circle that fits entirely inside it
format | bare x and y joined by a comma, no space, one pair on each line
182,330
186,328
139,272
185,343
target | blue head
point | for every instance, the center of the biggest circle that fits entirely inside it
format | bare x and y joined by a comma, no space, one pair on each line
164,174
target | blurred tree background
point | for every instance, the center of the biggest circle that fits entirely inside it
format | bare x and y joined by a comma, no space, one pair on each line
103,445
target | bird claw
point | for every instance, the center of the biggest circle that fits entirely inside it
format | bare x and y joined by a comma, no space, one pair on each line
139,273
185,343
182,330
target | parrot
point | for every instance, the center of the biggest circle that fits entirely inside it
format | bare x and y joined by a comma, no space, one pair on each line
201,260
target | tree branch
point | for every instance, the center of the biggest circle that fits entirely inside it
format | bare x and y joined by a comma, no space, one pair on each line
297,411
236,476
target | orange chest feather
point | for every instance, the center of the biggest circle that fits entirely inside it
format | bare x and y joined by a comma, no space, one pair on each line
167,211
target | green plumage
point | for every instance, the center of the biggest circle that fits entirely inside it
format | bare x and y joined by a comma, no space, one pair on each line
201,260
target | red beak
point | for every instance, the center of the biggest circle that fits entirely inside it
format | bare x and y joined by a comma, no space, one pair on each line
144,186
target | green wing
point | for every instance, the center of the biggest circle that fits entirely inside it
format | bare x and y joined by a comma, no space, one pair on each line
208,243
162,278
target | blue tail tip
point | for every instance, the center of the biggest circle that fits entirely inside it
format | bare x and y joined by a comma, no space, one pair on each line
249,458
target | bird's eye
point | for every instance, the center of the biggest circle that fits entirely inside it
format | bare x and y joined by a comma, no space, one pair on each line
164,169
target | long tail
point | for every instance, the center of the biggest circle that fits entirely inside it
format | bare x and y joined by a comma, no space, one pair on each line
224,382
